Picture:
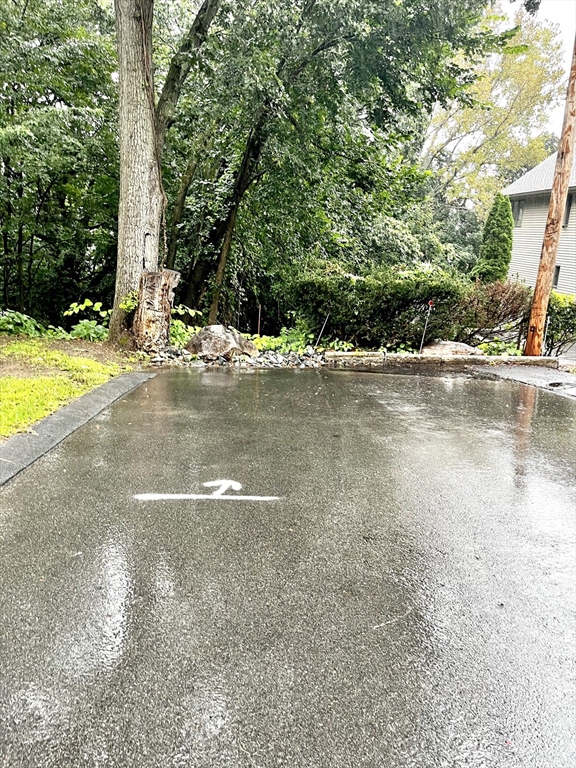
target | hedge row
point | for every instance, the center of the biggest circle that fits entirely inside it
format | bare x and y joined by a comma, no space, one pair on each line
388,308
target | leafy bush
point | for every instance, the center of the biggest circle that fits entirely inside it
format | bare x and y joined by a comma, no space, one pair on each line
561,332
89,330
12,322
499,347
180,333
496,248
493,308
385,307
290,340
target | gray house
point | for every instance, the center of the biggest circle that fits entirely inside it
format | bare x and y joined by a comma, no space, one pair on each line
530,197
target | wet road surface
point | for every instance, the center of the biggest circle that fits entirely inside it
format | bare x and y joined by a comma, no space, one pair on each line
407,601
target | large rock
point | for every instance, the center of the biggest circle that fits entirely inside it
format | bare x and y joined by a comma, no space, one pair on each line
215,341
442,348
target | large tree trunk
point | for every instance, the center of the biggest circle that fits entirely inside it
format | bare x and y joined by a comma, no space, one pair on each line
142,129
141,196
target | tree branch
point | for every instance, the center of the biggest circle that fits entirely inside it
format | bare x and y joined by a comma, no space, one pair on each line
180,67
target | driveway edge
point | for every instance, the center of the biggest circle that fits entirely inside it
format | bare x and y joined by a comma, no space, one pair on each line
447,362
20,451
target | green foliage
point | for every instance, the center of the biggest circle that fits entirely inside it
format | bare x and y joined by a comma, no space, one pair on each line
58,187
89,330
75,308
561,332
12,322
184,311
290,340
321,103
339,346
17,323
496,249
383,307
180,333
479,148
499,347
129,302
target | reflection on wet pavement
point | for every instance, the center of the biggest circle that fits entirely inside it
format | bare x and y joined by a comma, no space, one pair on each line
409,602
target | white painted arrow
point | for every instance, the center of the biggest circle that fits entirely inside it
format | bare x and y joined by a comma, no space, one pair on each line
224,485
221,486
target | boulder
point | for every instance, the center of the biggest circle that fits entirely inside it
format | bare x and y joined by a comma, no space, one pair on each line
449,348
216,341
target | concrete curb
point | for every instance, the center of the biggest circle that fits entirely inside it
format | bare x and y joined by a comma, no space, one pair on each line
447,362
20,451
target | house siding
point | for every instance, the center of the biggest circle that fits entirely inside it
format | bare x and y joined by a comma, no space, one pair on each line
527,243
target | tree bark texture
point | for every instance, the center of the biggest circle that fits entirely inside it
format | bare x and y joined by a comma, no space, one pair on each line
558,195
151,326
141,197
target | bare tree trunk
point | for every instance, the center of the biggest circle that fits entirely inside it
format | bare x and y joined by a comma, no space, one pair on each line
222,232
179,204
151,325
141,197
558,195
213,316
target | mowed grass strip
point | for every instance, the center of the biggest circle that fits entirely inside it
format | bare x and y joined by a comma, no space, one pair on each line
25,400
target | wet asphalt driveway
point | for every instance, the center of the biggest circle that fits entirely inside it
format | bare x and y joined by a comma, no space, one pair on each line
406,601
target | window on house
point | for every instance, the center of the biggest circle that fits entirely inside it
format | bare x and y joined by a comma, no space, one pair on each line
566,218
518,212
556,276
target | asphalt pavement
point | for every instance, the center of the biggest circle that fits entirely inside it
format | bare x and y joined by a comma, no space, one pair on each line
312,569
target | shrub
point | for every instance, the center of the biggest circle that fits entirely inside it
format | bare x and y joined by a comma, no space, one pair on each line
12,322
493,308
561,332
17,323
499,347
385,307
89,330
496,248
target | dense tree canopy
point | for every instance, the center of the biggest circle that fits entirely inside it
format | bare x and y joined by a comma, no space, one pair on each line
289,136
58,189
478,149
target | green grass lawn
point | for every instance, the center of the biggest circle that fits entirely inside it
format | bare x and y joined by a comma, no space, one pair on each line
45,379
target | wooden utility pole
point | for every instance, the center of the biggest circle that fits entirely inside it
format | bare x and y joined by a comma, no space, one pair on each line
564,163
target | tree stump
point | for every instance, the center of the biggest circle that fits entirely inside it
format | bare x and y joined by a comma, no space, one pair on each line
151,326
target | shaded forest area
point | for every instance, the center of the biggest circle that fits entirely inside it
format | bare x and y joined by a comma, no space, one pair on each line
314,147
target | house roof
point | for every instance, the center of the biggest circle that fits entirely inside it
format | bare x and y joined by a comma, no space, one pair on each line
539,179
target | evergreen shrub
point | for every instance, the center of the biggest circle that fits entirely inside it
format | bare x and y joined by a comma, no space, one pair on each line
491,308
496,248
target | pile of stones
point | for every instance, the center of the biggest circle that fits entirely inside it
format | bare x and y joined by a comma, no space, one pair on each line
217,345
182,357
